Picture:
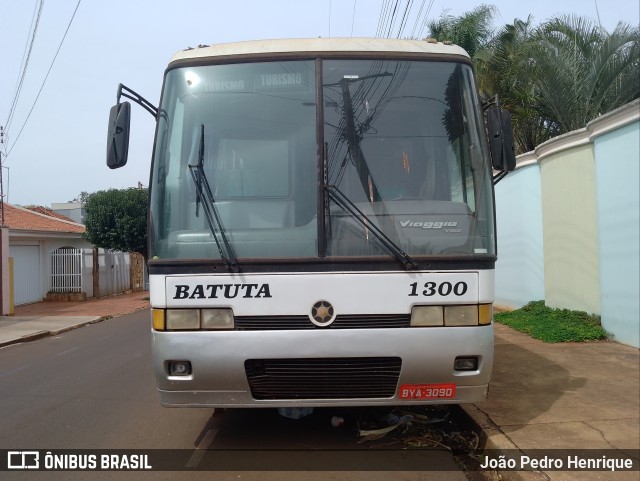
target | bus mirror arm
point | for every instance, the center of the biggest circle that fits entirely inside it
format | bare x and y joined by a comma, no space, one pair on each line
126,92
119,126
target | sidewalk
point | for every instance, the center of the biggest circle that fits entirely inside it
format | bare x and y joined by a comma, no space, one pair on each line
42,319
542,396
569,396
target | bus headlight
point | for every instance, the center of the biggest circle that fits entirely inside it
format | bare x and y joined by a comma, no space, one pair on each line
461,315
469,315
217,319
183,319
423,316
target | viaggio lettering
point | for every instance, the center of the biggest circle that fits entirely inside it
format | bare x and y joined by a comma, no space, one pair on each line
427,225
222,291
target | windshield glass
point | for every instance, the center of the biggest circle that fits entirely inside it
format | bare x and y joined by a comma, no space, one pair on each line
405,146
254,127
402,143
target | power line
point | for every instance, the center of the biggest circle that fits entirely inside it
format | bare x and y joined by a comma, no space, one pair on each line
426,17
393,16
353,18
33,28
405,16
45,80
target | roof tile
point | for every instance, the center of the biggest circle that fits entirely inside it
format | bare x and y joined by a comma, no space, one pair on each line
20,218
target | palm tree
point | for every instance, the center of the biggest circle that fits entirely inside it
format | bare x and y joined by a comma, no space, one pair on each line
583,72
471,31
554,78
506,69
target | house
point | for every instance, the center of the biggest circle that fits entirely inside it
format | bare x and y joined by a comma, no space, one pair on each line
33,236
73,210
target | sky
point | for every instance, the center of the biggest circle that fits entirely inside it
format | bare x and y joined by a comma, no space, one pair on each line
54,147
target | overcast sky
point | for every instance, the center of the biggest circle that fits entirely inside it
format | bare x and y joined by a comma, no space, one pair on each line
59,151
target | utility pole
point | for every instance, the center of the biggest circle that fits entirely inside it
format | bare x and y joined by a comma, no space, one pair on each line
6,294
1,177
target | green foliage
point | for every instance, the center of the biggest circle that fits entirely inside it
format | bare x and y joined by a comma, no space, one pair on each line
82,197
553,325
554,77
471,31
117,219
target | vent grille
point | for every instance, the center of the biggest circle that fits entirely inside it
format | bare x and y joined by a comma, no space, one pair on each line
323,378
270,323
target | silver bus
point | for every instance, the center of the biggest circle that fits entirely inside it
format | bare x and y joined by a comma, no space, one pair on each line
321,223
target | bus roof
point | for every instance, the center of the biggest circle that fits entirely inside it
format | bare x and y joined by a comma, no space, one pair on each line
318,46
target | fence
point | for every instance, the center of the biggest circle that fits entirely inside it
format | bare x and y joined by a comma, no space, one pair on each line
66,270
113,272
95,272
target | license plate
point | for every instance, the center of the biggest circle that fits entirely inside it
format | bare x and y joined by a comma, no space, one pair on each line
427,391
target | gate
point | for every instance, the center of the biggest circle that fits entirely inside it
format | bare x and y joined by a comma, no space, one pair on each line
66,270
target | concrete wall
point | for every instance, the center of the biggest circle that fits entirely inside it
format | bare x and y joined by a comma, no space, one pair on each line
520,266
617,174
568,227
570,231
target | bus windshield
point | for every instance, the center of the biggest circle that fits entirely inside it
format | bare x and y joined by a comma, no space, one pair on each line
383,156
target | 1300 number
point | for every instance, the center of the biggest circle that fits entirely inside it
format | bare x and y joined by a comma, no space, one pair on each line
442,289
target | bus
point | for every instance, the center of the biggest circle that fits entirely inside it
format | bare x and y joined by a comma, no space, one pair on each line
321,223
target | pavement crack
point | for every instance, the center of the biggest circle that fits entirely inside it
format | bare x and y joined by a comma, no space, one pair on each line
604,437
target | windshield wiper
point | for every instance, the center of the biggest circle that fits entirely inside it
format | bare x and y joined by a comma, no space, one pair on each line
366,180
345,203
205,196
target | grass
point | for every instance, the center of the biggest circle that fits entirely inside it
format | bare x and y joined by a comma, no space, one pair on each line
553,325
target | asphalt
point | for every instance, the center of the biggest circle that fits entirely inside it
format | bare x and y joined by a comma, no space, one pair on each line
558,397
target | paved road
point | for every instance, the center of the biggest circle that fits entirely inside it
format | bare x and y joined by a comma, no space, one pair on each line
93,388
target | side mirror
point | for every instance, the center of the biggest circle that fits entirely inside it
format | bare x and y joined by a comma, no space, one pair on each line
503,152
118,135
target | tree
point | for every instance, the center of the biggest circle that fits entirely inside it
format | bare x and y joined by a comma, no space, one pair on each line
82,198
117,219
559,76
472,30
507,68
554,78
584,71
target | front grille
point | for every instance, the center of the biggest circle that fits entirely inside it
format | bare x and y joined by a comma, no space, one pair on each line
375,321
323,378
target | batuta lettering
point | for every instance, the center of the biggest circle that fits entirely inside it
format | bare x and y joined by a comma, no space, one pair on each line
218,291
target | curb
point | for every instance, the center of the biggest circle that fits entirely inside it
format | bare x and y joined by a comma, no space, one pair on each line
49,333
492,438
